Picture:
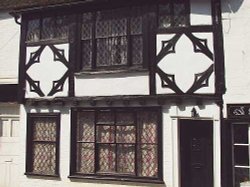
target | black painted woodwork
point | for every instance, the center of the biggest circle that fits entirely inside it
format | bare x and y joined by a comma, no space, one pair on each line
8,92
30,142
196,153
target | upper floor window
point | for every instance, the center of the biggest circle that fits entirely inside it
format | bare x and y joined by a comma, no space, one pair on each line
173,14
109,38
42,28
112,38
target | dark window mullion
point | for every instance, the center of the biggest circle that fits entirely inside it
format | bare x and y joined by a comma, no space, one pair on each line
115,134
96,145
129,40
136,143
93,41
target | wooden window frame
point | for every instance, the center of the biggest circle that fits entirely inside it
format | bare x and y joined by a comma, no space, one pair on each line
29,143
116,176
235,144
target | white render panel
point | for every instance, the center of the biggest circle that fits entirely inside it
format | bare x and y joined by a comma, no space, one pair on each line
9,49
200,12
108,85
47,70
185,63
236,31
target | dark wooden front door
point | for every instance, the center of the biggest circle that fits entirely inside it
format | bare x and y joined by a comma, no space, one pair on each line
196,153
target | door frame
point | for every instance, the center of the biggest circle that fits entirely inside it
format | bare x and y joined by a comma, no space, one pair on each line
183,123
175,125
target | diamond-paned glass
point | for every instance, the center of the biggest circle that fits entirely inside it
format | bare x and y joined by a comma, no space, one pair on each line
148,127
62,26
148,160
87,24
180,17
44,129
111,51
33,30
48,28
164,17
86,54
86,127
126,159
136,20
125,142
107,158
44,158
85,158
125,134
105,134
137,49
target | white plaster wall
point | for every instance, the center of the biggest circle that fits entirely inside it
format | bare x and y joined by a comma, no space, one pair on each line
236,31
9,49
185,63
170,115
108,85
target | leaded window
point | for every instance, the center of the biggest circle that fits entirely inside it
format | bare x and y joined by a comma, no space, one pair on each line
119,141
43,144
112,38
241,150
173,14
49,27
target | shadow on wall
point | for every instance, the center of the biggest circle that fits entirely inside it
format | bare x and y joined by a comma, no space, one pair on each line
231,6
5,15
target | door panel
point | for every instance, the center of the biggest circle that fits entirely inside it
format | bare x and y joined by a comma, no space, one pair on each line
196,153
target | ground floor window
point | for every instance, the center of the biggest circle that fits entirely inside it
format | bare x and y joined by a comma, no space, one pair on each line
43,144
119,142
241,152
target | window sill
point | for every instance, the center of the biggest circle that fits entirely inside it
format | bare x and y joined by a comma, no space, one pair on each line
41,175
117,178
117,71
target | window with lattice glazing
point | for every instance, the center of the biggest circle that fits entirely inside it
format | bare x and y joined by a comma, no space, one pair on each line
42,28
43,144
119,142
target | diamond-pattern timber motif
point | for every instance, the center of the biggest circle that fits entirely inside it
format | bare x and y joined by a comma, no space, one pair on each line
201,79
149,165
106,154
85,159
44,158
44,129
126,159
86,127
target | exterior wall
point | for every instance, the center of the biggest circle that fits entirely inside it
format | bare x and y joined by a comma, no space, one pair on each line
171,113
9,49
236,31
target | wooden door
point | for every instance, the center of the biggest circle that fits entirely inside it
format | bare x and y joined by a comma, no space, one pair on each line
196,153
